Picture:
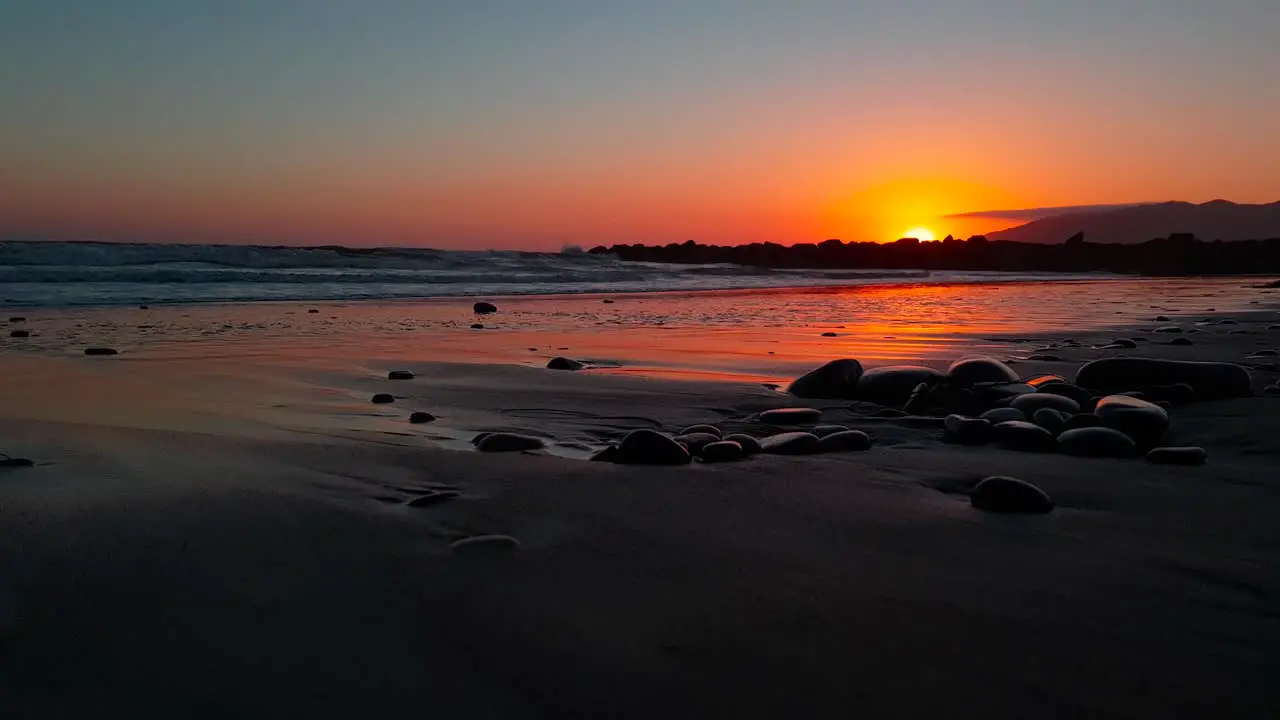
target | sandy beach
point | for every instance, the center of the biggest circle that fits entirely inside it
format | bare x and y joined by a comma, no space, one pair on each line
219,523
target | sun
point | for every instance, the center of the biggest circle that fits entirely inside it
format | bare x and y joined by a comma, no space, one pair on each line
923,234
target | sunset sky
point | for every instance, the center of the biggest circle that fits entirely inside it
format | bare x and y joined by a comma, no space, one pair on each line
540,123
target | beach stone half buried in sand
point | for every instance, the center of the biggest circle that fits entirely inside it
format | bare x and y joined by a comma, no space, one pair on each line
792,443
1006,414
100,351
649,447
564,363
701,428
1055,421
837,380
892,385
790,416
400,375
1024,436
824,430
721,451
1010,495
420,417
484,308
1182,341
485,547
1097,442
508,442
696,441
847,441
750,446
1083,397
1189,455
1029,404
979,369
1142,421
967,431
1211,380
1124,344
383,398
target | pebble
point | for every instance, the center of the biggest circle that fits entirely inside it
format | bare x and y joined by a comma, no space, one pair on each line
1010,495
477,326
847,441
696,441
420,417
824,430
750,446
790,416
836,380
1024,436
1096,442
999,415
1055,421
383,398
1145,422
791,443
1028,404
980,368
828,334
508,442
481,547
701,428
100,351
649,447
483,308
721,451
400,375
892,385
564,363
967,431
1189,455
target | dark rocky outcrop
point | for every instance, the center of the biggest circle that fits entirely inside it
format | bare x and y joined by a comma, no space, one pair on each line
837,380
1010,495
1211,380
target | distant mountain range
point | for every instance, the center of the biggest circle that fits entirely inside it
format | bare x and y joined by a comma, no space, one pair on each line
1214,220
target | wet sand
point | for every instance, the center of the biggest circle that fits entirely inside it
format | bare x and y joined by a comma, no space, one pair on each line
229,533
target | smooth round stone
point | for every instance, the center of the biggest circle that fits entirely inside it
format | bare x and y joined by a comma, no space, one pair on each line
792,443
1010,495
892,385
1029,404
564,363
19,333
790,416
701,428
383,398
696,441
1212,380
1123,344
1055,421
721,451
313,311
1082,420
1161,318
1145,422
485,547
1082,397
1037,381
100,351
824,430
1189,455
649,447
508,442
967,431
17,319
1168,329
1096,442
847,441
1181,341
828,334
750,446
420,417
484,308
980,369
1024,436
400,375
477,326
837,380
999,415
944,399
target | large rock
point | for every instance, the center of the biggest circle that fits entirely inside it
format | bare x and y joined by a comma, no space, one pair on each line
847,441
1096,442
508,442
792,443
1010,495
484,308
750,446
1145,422
564,363
1024,436
1189,455
980,369
837,380
1029,404
791,416
649,447
1211,380
892,385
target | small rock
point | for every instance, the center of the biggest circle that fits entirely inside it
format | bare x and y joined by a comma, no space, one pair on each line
144,307
480,436
19,333
999,415
484,308
712,429
1082,420
967,431
847,441
1019,435
1028,404
509,442
1160,318
485,547
750,446
1041,357
649,447
696,441
721,451
1096,442
979,369
824,430
421,416
1168,329
607,302
837,380
477,326
828,334
1055,421
383,398
790,416
17,319
1190,455
400,375
564,363
1138,339
1181,341
1228,321
1082,397
1010,495
1123,343
100,351
792,443
313,311
1142,421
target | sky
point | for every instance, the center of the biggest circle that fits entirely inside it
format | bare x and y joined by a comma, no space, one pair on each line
535,125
